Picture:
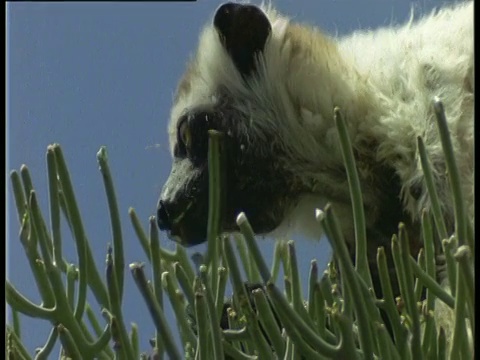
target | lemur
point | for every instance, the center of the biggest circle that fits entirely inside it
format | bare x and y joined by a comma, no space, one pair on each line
270,85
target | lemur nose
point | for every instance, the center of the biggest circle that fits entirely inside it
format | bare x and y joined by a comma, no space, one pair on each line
163,219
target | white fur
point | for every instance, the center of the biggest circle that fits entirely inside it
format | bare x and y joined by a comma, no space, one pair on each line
393,61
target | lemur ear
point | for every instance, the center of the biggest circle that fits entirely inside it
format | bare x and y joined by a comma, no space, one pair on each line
243,30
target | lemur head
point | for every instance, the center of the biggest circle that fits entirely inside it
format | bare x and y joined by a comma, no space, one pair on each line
238,83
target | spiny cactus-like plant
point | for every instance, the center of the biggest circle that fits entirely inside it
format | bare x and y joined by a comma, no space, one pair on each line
340,318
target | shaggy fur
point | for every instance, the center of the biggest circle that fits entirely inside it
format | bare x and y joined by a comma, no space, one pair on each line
272,90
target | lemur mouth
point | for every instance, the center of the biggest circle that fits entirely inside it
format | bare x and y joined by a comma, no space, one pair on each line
180,236
186,224
186,227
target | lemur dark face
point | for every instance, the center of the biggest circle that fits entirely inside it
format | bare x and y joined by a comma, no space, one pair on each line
254,181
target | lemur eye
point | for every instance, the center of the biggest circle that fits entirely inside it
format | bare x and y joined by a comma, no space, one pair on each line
183,137
184,133
192,133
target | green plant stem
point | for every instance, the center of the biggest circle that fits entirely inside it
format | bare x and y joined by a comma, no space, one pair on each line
141,235
361,259
431,284
54,210
312,282
252,245
202,325
156,273
212,311
408,293
120,335
251,270
44,352
14,346
69,344
134,340
216,177
289,317
118,257
155,311
432,190
177,299
18,195
453,175
240,294
220,295
330,224
269,322
399,332
29,240
78,230
464,256
184,282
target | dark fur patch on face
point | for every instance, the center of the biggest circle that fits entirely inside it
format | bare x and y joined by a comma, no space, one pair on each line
254,181
243,30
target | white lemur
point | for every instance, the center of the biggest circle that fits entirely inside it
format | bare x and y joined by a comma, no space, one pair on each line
271,85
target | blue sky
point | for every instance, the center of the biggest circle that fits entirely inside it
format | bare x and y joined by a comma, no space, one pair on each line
91,74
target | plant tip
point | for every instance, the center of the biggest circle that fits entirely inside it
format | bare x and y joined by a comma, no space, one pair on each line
241,218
